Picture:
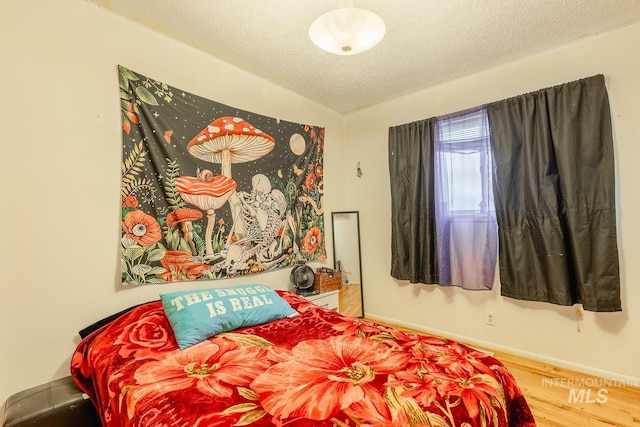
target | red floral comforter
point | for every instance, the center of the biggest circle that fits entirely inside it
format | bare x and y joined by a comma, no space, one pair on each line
317,369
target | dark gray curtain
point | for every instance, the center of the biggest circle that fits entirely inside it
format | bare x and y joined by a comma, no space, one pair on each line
413,224
554,192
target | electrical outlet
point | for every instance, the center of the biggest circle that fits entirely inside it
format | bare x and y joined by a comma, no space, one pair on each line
491,318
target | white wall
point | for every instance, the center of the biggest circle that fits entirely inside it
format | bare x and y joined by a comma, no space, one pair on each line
61,153
608,342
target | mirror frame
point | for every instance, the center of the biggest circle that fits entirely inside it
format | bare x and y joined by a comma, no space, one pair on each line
335,260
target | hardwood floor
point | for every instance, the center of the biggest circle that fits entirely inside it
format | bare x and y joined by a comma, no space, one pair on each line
563,398
351,300
560,398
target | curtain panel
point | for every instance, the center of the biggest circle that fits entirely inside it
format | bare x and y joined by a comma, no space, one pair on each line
414,255
554,193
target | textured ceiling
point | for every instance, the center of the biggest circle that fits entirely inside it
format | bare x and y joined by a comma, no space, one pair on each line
427,41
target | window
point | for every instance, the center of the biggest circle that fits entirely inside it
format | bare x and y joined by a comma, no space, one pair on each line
463,164
465,214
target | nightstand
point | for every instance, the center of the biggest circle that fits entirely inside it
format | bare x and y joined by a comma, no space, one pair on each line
328,300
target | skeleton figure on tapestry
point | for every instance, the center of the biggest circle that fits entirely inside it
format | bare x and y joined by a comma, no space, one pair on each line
265,218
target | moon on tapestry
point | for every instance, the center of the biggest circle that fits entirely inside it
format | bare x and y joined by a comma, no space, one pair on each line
210,191
297,144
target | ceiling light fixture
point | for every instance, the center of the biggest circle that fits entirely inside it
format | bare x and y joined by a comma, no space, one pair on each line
347,30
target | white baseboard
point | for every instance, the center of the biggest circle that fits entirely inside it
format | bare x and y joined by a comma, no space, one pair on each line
590,370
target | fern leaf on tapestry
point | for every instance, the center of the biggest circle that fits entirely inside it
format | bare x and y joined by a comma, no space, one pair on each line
210,191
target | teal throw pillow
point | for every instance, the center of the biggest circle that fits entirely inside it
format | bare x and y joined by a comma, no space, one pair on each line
200,314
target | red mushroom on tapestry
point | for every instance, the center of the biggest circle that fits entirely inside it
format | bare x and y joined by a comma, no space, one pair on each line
229,140
208,195
184,217
179,266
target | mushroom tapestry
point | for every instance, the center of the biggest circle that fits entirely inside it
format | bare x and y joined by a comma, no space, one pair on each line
210,191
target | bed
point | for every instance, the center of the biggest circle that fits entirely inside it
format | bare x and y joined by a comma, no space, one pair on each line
314,367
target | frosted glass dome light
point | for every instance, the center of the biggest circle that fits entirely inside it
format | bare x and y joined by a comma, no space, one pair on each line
347,31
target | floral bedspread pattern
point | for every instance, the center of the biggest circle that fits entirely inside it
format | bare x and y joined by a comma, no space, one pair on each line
317,369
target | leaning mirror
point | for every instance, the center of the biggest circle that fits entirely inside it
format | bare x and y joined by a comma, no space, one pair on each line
346,258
